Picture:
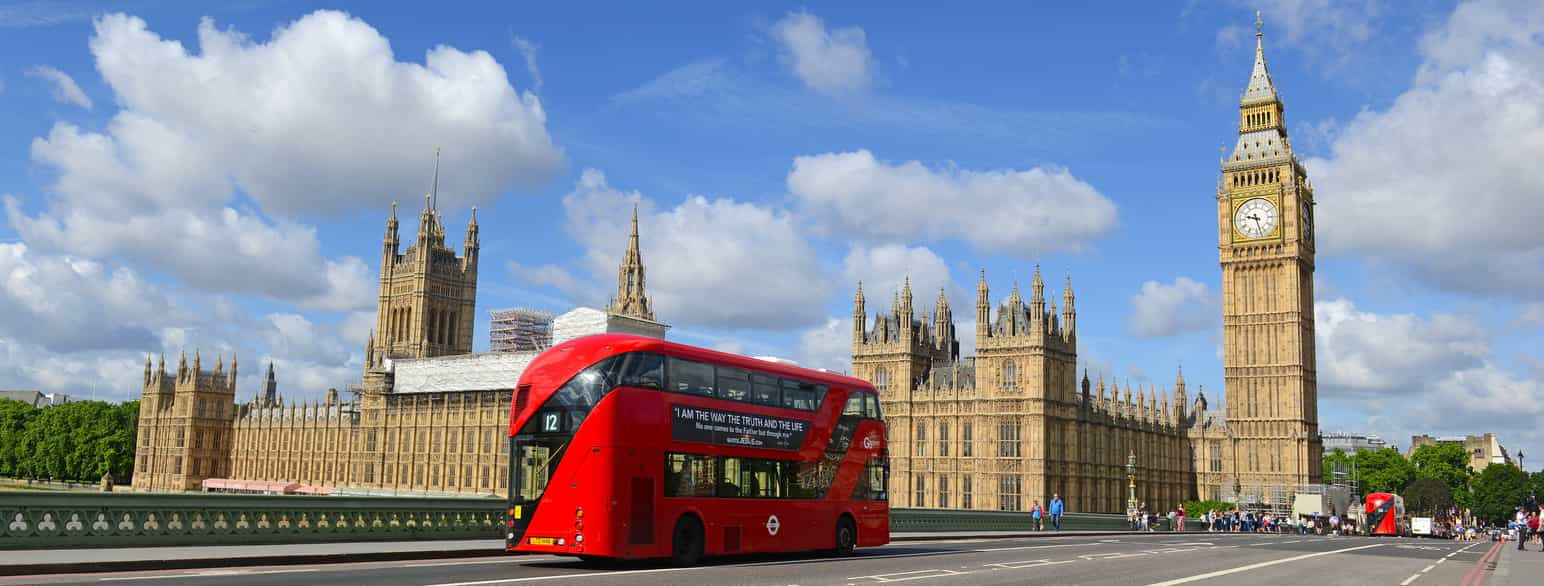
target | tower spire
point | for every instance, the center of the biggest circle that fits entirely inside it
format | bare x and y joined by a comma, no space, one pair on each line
631,298
434,187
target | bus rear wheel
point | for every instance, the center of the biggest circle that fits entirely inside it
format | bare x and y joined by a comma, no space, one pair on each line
846,535
687,541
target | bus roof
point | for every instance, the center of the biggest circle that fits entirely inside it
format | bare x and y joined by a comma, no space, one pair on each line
620,343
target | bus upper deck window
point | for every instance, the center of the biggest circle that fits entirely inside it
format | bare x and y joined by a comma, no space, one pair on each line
764,390
871,406
734,384
644,370
688,376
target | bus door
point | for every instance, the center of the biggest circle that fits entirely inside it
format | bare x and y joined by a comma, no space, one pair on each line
535,459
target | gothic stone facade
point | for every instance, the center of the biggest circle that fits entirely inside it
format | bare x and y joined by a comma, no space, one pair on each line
382,439
1014,425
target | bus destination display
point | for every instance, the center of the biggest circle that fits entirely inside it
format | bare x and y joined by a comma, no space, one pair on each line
696,424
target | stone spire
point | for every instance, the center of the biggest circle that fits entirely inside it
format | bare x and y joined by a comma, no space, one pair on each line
472,244
1069,313
1260,86
859,317
983,308
631,298
906,311
232,381
1180,398
390,243
270,388
1037,295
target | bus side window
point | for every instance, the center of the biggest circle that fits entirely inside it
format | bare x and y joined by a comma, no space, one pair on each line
764,390
687,376
854,406
871,406
734,384
644,370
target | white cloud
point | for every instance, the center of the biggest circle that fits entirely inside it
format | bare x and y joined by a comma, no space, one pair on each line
828,61
1367,352
269,121
528,52
711,262
66,304
556,277
883,269
65,90
827,346
1170,309
1443,182
275,121
1022,213
1423,374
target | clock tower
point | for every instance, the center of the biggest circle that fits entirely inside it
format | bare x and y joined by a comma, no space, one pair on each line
1266,249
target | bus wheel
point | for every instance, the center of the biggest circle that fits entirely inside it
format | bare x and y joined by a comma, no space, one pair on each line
846,535
687,543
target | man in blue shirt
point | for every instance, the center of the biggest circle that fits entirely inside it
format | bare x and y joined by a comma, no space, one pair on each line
1056,510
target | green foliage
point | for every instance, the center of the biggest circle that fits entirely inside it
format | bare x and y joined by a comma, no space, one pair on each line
1197,508
1447,463
1498,491
1384,470
74,441
1428,497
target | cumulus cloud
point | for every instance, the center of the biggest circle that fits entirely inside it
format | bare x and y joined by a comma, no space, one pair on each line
827,346
1425,374
281,124
883,269
1360,351
68,304
1443,183
830,61
711,262
65,90
1170,309
271,122
1022,213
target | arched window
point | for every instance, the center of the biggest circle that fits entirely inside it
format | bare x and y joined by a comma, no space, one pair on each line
882,378
1010,374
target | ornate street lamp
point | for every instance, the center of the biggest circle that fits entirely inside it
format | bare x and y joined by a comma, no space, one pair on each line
1238,500
1131,485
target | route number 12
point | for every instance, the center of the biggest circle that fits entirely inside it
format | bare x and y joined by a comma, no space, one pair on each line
551,422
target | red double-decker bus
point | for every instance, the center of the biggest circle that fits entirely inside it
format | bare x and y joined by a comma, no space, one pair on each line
1385,514
632,447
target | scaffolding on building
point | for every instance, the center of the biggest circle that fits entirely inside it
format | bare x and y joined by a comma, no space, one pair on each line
520,330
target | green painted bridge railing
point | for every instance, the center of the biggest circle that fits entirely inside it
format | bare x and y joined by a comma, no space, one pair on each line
36,520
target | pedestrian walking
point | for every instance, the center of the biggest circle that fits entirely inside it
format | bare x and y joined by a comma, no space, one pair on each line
1534,524
1057,506
1181,517
1035,513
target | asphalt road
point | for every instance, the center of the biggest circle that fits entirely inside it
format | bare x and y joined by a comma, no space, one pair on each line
1157,559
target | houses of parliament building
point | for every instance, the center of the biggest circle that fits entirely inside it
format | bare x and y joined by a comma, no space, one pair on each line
1014,424
1017,423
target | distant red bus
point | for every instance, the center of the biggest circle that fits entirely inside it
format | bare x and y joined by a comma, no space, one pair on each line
1385,513
633,447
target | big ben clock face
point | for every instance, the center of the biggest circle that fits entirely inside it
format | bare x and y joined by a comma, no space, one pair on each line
1256,218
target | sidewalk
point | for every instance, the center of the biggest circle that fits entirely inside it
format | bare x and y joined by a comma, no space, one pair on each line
59,561
1516,568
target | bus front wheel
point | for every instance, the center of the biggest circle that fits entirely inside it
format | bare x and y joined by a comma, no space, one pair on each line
687,543
846,535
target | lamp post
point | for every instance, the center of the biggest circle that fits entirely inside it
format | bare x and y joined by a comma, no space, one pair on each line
1238,499
1131,485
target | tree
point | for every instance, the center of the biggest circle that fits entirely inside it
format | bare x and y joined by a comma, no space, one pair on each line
73,441
1447,463
1384,470
1498,491
1428,496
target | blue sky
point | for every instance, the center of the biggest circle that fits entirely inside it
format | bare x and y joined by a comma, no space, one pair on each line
223,186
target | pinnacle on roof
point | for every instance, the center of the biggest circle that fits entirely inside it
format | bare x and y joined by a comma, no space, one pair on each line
1260,86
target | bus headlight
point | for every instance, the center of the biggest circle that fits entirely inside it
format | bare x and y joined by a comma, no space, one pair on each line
561,542
579,538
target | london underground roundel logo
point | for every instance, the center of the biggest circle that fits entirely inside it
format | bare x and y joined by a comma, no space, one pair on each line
773,525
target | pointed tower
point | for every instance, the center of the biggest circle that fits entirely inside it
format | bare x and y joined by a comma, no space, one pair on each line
983,309
943,326
1015,310
631,299
270,396
1037,299
427,294
1180,399
1266,251
1069,313
905,311
859,317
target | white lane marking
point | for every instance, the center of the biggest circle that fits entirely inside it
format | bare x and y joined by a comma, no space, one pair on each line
470,563
1428,568
1215,574
206,574
1409,580
1016,548
905,576
1441,560
1029,564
